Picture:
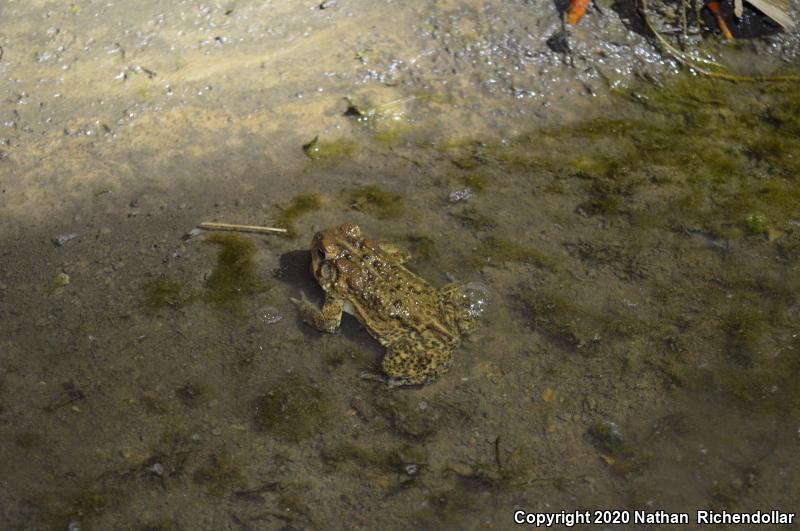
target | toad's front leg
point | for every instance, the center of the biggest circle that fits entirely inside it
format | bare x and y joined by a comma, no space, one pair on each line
325,320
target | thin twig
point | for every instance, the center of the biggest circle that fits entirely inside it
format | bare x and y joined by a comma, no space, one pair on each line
209,225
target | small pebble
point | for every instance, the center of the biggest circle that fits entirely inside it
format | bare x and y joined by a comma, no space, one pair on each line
61,280
460,195
61,239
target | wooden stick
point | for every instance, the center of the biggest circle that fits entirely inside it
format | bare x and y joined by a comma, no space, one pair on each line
209,225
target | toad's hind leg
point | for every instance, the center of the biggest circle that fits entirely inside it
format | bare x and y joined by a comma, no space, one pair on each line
458,305
417,360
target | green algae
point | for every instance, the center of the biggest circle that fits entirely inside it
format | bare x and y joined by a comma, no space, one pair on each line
495,250
337,358
299,206
742,328
84,501
220,475
380,458
330,151
691,151
467,161
234,276
293,409
406,417
377,202
766,390
725,147
474,181
757,222
451,508
576,326
191,394
619,453
163,293
473,219
172,452
391,132
553,315
421,246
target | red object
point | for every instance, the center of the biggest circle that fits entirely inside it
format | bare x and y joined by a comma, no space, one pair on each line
713,6
576,10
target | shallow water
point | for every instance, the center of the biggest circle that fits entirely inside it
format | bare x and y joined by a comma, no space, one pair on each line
640,241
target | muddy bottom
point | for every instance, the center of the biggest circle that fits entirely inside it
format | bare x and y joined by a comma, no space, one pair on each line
636,227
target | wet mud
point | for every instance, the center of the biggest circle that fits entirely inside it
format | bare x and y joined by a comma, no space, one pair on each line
636,226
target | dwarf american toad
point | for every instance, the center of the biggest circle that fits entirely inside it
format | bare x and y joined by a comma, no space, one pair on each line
419,325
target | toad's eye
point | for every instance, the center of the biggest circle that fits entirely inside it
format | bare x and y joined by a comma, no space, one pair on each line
320,254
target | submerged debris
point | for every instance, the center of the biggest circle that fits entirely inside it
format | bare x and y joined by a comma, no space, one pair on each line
777,10
61,239
270,315
209,225
703,65
575,11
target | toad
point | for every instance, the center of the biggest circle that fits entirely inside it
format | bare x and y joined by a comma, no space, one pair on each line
419,325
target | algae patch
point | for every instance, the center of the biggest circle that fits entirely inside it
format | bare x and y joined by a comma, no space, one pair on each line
554,316
422,246
335,150
162,293
294,409
495,250
234,276
620,454
474,181
219,475
297,207
473,219
377,202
